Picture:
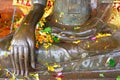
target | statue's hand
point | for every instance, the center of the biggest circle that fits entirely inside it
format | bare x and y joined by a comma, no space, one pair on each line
21,48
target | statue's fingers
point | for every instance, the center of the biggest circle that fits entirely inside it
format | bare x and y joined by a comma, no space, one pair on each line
26,60
12,59
16,59
32,50
21,59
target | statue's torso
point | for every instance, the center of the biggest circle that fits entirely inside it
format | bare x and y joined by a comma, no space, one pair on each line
72,12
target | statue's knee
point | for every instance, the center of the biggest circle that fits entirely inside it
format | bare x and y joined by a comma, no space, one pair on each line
52,54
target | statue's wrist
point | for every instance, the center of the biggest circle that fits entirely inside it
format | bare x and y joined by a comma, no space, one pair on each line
34,15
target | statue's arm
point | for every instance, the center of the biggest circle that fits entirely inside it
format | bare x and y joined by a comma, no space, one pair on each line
23,42
36,13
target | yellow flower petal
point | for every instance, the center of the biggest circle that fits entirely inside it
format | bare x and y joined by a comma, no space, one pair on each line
56,65
59,79
51,68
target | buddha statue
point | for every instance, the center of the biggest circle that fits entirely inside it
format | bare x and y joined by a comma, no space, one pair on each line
87,40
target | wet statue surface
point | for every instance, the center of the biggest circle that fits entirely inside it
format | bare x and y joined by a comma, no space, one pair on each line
89,55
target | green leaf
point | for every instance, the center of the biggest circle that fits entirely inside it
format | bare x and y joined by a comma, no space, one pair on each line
56,39
76,27
112,62
42,31
118,78
48,30
5,54
101,75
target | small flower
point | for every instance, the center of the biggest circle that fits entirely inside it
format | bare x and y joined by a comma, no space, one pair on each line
51,68
36,76
93,38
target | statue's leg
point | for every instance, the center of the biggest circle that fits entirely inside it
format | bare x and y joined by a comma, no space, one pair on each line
91,68
92,57
65,52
